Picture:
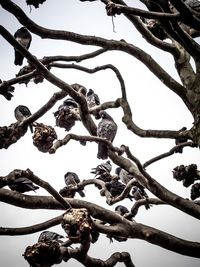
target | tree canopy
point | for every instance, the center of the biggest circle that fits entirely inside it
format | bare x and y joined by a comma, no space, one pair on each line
100,132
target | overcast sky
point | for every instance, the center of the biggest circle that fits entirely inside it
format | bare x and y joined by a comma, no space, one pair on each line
153,105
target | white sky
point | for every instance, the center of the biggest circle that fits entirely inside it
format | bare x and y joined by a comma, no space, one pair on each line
153,106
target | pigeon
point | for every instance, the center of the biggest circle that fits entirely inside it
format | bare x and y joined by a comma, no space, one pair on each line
49,236
67,114
180,140
22,112
92,101
121,210
106,129
102,171
24,37
72,179
116,188
126,177
6,90
138,194
22,185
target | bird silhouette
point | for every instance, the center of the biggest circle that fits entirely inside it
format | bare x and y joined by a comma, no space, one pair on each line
72,179
49,236
115,188
121,210
22,112
102,171
24,37
138,194
92,101
22,185
106,129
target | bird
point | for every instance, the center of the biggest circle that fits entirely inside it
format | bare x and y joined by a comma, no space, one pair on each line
67,114
24,37
22,112
92,101
138,194
106,129
124,176
102,171
72,179
121,210
6,90
180,140
22,185
49,236
115,188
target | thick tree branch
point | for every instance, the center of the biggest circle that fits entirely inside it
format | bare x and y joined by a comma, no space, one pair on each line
132,229
31,229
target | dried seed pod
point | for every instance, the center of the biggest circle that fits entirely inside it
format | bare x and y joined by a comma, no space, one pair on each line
78,225
43,137
67,117
43,254
11,134
187,174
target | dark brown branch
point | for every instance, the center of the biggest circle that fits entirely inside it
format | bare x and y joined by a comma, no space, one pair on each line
132,229
96,69
29,174
31,229
127,119
97,41
167,154
156,188
82,138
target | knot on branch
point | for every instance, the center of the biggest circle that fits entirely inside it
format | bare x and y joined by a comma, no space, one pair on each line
43,137
43,254
112,9
35,3
11,134
187,174
78,225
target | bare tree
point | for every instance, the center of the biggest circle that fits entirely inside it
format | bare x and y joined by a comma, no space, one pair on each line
170,26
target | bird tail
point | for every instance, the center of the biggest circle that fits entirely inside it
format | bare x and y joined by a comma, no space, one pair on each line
102,151
81,193
31,128
18,58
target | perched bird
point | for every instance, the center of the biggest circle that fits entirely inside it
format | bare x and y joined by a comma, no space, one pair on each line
121,210
22,185
106,129
67,114
124,176
102,171
138,194
92,101
49,236
72,179
6,91
24,37
22,112
115,188
180,140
